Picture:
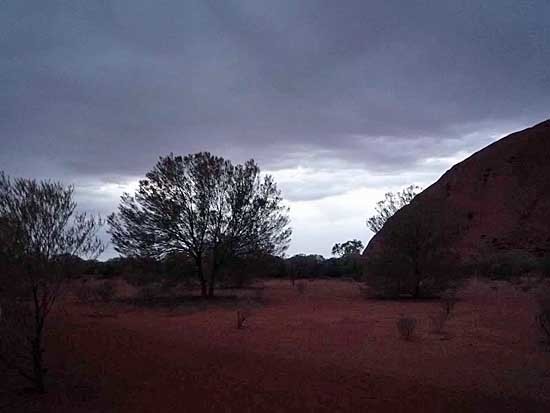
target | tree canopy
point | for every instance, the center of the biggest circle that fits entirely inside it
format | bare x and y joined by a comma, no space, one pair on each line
391,203
206,207
350,247
40,229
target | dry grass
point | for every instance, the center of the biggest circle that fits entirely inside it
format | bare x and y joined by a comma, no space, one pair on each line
406,327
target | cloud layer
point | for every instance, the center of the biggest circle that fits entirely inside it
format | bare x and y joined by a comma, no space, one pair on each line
331,97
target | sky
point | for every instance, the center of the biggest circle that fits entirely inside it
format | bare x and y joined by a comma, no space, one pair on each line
341,101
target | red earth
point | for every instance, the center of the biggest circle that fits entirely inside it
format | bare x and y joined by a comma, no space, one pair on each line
327,349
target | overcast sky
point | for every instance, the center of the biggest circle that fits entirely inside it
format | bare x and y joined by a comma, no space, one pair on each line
339,100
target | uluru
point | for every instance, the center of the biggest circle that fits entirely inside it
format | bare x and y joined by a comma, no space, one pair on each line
498,199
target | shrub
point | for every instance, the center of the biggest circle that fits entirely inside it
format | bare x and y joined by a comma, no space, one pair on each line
259,294
438,321
507,265
242,316
364,291
544,265
85,294
543,316
448,301
148,292
105,291
406,327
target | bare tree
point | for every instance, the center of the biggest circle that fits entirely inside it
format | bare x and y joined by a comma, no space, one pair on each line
206,207
392,203
44,230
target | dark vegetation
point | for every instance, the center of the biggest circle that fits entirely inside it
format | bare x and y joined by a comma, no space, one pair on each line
206,208
41,233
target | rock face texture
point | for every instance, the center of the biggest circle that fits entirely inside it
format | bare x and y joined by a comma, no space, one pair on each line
496,200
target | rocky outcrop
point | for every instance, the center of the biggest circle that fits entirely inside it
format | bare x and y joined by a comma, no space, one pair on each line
496,200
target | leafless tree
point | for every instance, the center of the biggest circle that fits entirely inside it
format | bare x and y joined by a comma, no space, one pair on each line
392,203
40,230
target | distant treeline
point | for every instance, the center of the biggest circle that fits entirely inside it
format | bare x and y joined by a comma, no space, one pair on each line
239,271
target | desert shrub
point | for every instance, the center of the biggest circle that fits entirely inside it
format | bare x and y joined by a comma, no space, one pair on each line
85,294
507,265
406,327
301,287
438,321
544,266
448,301
543,316
242,316
105,291
259,294
16,332
149,292
364,291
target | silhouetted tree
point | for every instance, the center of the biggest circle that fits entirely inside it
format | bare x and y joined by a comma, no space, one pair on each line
351,247
41,231
203,206
412,260
392,203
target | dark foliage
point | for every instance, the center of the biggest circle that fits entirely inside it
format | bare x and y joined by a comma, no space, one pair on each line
411,260
42,237
392,203
205,207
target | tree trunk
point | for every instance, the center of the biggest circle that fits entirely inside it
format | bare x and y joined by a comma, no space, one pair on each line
202,280
36,345
37,363
212,281
417,280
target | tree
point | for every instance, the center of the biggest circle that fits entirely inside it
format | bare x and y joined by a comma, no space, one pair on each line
44,231
351,247
412,259
204,206
392,203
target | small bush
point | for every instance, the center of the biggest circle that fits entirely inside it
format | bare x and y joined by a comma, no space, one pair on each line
85,294
259,294
242,316
406,327
364,291
438,321
544,265
448,301
106,291
543,317
148,292
301,287
507,265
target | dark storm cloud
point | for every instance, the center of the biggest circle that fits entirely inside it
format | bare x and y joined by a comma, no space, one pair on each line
99,89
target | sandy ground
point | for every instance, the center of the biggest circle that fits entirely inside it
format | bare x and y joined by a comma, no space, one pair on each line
325,350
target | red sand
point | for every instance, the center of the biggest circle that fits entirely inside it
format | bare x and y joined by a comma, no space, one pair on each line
327,350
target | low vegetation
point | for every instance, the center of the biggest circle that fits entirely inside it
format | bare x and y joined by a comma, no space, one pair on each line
41,232
543,316
406,327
